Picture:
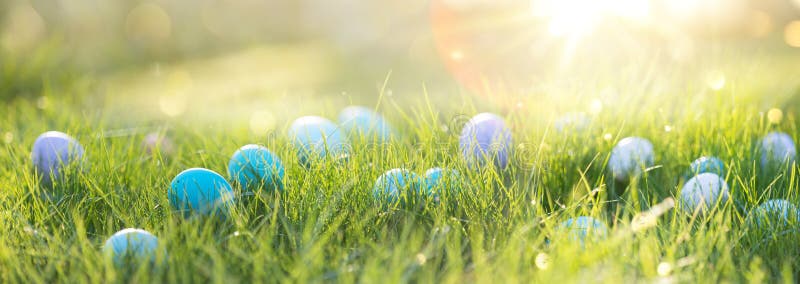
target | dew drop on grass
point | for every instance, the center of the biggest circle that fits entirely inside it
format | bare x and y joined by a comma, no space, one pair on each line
542,261
421,259
31,231
664,269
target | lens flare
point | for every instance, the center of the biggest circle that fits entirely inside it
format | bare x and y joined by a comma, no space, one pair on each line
577,17
571,17
791,34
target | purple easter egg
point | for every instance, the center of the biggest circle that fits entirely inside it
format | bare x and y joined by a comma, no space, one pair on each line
156,142
52,151
484,139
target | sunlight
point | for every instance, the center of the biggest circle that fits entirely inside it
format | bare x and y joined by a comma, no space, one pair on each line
683,7
570,17
630,9
576,17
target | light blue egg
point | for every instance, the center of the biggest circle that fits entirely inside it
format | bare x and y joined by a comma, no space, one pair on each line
254,167
630,158
581,229
362,122
708,164
317,138
131,245
438,180
200,191
486,140
777,148
775,213
572,122
397,185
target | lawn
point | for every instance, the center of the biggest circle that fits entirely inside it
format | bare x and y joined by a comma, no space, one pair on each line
501,226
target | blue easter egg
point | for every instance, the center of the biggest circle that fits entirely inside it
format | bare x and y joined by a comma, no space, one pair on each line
317,138
131,245
485,140
200,191
630,157
777,148
397,185
573,121
361,122
254,167
438,180
702,193
584,228
775,213
708,164
52,152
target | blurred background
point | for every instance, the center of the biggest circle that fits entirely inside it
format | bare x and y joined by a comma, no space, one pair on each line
169,52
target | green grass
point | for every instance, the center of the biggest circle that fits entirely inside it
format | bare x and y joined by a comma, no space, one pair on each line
326,225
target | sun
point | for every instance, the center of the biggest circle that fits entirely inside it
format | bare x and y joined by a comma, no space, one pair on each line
571,18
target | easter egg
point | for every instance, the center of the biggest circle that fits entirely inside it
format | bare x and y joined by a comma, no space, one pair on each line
131,246
316,139
363,123
630,157
573,121
438,180
52,152
702,193
583,228
158,143
254,167
485,140
200,191
397,186
708,164
775,213
777,148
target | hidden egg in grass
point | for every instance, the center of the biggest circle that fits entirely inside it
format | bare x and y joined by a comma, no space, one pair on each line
363,123
316,138
630,157
255,167
397,186
131,246
440,180
52,152
775,213
777,149
199,191
157,142
708,164
486,140
573,121
703,193
584,228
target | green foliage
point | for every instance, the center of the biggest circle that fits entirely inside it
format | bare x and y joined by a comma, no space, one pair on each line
27,74
326,226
